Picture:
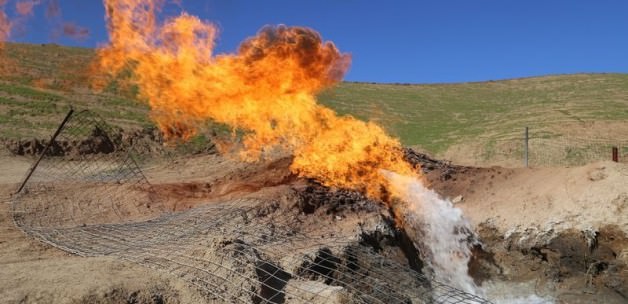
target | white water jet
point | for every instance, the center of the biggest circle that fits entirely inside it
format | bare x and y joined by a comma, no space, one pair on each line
440,231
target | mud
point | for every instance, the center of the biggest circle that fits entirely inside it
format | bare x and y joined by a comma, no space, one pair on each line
571,267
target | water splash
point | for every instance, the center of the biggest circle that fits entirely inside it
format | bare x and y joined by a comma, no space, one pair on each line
501,292
440,231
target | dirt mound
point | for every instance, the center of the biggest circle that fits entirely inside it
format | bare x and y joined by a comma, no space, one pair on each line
146,142
273,235
96,142
258,180
555,232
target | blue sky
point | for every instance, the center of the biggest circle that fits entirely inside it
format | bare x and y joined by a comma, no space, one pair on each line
413,41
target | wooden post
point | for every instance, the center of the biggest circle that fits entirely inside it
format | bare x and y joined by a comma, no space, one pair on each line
615,154
525,148
52,139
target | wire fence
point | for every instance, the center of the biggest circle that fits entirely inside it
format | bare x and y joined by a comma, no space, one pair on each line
543,149
91,199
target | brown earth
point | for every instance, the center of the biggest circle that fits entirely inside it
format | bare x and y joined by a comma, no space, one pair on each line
146,141
558,232
33,272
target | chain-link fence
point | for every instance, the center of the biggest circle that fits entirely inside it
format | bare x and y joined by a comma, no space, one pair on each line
89,198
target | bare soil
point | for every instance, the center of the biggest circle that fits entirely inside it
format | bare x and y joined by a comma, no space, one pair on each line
33,272
562,232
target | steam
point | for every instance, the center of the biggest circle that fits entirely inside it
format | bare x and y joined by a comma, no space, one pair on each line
441,232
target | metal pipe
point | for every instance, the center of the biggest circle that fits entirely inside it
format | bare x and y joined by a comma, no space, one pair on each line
525,148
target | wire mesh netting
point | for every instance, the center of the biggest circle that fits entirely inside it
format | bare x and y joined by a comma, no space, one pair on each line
575,151
546,149
90,199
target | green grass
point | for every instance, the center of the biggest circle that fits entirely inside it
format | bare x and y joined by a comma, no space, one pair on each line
28,92
437,116
434,117
45,81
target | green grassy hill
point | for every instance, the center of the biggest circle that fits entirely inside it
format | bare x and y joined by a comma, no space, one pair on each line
44,80
466,120
437,116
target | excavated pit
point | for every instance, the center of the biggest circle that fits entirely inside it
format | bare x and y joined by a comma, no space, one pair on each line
239,232
555,262
254,232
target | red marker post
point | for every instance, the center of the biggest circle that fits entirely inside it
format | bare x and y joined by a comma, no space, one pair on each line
615,154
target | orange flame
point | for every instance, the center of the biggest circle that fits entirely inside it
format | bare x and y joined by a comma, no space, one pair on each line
266,89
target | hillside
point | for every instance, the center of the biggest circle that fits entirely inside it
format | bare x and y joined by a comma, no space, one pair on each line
44,80
437,116
467,122
217,229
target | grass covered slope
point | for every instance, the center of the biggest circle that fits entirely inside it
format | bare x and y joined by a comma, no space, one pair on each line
437,116
444,119
44,80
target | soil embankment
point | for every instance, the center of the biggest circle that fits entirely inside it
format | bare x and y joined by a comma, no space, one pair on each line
559,233
34,272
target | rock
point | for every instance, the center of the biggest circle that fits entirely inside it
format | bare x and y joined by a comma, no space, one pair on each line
457,199
315,292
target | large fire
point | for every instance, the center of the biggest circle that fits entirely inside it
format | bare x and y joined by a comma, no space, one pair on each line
267,89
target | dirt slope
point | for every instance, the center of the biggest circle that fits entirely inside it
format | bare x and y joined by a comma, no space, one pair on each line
32,272
559,232
546,198
555,232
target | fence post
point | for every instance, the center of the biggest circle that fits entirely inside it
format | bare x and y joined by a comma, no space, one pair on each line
525,148
615,154
52,139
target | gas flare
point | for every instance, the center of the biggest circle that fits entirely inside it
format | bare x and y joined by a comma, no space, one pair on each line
266,89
